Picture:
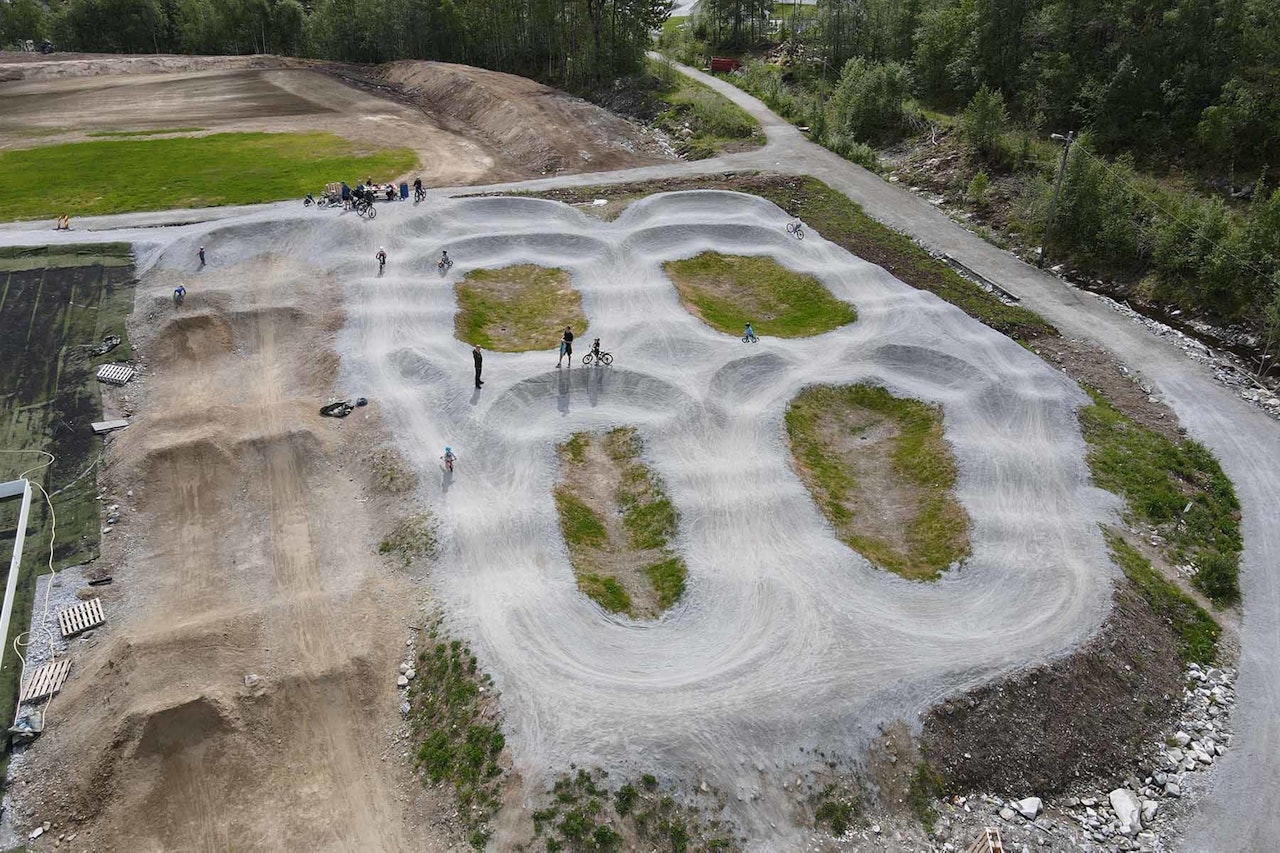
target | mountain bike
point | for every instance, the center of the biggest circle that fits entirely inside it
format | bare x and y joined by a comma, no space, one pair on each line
750,339
595,357
419,194
365,208
796,228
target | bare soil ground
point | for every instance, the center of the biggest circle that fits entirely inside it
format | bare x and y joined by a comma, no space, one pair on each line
242,694
467,125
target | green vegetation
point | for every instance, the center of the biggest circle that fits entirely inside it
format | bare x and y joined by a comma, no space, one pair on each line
55,304
851,479
157,132
837,809
1196,630
926,786
727,291
517,308
117,176
1177,487
715,124
390,473
453,720
414,536
615,550
583,816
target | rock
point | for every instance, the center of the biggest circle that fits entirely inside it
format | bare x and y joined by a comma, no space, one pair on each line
1088,802
1149,809
251,680
402,682
1172,789
404,709
36,833
1006,813
1175,755
404,667
875,828
1029,808
1182,738
409,674
1127,808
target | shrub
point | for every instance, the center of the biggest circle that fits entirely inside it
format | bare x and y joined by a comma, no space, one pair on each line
1216,576
978,189
983,122
867,102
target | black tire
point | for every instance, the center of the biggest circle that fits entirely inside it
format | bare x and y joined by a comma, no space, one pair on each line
606,358
750,340
373,212
586,359
799,233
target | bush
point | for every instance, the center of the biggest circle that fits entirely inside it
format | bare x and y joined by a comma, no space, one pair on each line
983,122
867,102
1216,576
978,189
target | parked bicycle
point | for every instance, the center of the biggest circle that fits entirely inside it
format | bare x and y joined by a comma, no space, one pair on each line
365,208
796,228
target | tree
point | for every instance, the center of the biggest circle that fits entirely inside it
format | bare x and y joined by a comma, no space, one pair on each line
21,20
983,122
867,103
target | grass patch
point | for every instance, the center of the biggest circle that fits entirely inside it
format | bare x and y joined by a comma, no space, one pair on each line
1196,630
1177,487
390,473
156,132
853,479
583,815
54,306
926,786
412,537
122,175
517,308
581,526
701,122
452,717
835,217
621,552
837,809
727,291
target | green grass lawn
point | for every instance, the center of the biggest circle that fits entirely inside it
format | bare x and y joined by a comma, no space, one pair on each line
161,131
122,175
726,291
920,473
517,308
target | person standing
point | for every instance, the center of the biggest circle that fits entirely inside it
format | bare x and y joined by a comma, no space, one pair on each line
478,357
202,256
566,347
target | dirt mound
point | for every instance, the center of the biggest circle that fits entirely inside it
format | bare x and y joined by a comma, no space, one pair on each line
540,128
1078,718
193,337
182,727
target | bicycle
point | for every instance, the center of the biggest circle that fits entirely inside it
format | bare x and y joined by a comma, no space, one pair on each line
445,261
178,295
449,458
365,208
796,228
419,194
382,260
597,357
750,339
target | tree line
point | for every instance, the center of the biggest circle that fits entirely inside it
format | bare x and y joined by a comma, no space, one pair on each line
578,44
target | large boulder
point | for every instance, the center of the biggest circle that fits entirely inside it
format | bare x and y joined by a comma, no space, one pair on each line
1029,808
1127,808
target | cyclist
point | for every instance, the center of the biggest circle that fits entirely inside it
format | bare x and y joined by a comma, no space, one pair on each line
418,192
179,293
595,350
444,259
749,333
382,258
309,200
449,459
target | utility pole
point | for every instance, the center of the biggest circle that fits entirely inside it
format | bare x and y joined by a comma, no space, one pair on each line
1057,188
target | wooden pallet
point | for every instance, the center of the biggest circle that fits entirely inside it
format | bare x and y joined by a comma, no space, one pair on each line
115,374
46,680
988,842
81,617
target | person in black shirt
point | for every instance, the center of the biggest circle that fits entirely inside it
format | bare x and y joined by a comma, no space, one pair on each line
479,360
566,346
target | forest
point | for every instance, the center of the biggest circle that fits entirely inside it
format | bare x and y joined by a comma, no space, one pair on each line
1171,183
577,44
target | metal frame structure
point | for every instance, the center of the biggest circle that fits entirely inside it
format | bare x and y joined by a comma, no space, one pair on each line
20,489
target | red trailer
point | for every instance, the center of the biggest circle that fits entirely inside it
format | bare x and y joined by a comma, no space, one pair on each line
724,64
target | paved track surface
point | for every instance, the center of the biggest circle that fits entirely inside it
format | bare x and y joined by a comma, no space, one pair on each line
786,639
